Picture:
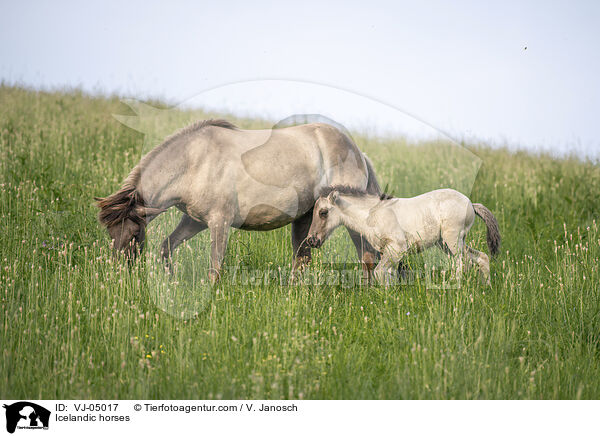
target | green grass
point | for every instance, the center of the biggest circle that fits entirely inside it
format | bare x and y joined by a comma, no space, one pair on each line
76,324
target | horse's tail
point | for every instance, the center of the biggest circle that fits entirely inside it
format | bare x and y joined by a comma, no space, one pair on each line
372,184
493,231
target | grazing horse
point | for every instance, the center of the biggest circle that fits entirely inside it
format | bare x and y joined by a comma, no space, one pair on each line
221,176
393,226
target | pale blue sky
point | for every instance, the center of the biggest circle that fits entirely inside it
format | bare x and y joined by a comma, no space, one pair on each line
459,66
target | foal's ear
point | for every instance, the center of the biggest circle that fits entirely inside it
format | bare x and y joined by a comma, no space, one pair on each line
333,197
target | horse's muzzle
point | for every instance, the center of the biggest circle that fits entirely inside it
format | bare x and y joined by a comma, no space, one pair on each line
314,242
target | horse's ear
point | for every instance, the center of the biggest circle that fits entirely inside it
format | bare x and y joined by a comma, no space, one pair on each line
333,197
149,212
154,211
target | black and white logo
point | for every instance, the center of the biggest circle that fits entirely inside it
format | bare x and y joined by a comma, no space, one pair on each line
26,415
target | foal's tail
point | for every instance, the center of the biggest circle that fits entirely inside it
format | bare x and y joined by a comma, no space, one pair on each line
493,232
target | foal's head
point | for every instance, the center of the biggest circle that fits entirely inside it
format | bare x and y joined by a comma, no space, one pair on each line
125,217
326,218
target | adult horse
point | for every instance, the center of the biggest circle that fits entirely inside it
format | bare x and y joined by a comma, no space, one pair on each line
221,176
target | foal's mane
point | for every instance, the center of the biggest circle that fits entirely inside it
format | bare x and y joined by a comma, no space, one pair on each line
344,190
124,203
350,190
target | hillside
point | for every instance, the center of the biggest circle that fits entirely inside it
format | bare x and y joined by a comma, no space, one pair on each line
76,323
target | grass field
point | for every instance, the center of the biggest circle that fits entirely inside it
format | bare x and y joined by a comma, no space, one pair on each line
77,324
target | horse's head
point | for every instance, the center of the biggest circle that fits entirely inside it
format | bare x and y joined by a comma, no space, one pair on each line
326,218
128,237
125,217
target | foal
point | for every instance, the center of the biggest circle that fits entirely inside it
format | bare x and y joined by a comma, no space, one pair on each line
393,226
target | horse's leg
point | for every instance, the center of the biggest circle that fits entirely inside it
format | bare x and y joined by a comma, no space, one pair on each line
481,260
301,255
402,270
453,243
379,271
219,232
390,258
383,271
367,255
186,229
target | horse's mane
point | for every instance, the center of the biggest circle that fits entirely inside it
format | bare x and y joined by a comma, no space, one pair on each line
123,203
135,174
350,190
120,206
198,125
344,190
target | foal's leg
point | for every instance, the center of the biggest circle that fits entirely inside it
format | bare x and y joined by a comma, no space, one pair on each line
391,256
219,232
482,261
301,255
186,229
383,270
453,243
367,255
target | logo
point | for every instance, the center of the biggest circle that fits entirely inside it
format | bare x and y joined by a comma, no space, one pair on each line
26,415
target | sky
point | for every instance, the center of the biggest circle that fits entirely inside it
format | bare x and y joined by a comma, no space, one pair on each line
522,74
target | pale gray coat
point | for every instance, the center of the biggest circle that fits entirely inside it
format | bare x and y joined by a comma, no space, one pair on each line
220,177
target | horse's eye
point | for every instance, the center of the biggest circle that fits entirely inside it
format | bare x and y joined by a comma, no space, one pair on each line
323,213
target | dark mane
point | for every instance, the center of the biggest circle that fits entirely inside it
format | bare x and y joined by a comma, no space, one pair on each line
119,206
206,123
350,190
344,190
135,174
124,204
198,125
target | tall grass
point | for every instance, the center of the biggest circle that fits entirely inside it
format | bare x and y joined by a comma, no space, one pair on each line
76,323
